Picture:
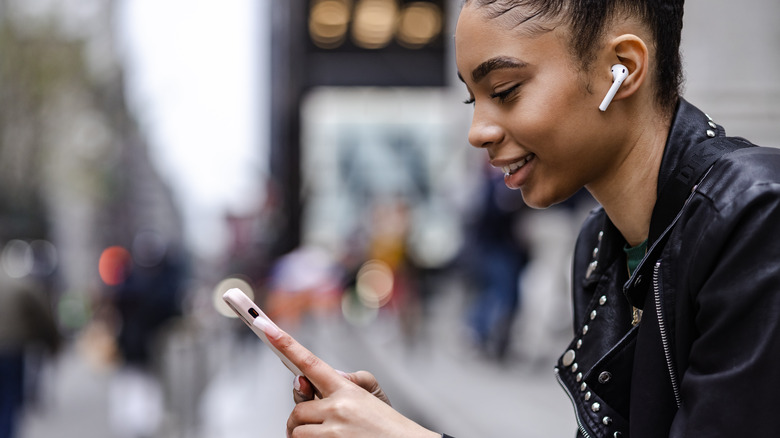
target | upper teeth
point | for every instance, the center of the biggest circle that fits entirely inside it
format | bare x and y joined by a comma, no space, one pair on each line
512,168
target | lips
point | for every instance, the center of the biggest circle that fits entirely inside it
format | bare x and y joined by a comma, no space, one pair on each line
511,168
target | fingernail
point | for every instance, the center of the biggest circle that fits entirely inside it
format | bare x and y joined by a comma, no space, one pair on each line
343,374
297,383
270,330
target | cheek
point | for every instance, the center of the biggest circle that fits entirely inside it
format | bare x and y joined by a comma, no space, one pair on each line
551,111
559,123
568,154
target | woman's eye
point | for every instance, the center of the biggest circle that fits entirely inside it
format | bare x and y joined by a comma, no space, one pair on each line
469,100
503,95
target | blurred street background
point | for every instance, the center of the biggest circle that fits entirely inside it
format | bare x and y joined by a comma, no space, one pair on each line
154,153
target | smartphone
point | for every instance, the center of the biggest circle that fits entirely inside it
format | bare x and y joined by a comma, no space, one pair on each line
249,312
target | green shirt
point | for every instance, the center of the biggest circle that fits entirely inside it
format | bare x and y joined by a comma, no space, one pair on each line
634,255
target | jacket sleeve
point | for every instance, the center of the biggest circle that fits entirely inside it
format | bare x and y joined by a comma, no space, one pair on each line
730,384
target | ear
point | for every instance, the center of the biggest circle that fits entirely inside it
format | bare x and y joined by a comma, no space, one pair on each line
631,51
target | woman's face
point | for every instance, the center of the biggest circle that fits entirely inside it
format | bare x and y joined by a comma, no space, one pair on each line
533,111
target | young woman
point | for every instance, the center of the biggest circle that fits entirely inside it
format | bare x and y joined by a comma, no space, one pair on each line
676,280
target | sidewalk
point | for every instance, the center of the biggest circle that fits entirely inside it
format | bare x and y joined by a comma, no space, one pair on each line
73,401
247,394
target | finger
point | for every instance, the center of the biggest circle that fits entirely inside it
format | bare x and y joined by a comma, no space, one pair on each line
319,373
305,431
367,381
305,381
309,412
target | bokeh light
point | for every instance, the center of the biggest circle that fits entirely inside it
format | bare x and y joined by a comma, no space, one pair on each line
17,258
374,23
46,258
328,23
374,283
420,23
436,241
114,265
222,287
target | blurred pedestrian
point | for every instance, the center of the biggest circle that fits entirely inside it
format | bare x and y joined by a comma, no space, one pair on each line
676,280
388,244
303,282
146,302
26,322
495,258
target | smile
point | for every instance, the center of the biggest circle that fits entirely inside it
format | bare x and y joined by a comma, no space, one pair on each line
514,167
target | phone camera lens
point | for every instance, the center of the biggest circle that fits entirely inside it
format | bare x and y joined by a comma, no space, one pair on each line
253,312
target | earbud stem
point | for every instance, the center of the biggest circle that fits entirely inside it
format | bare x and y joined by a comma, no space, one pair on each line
610,95
619,74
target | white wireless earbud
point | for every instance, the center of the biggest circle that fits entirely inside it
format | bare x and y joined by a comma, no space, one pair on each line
619,74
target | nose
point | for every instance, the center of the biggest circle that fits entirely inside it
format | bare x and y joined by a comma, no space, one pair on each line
484,131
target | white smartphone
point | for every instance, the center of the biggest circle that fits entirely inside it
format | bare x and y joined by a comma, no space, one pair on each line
249,312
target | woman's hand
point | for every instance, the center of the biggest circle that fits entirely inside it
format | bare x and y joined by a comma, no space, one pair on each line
303,390
347,408
350,412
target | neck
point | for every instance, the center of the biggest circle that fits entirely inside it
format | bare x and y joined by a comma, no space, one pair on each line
628,194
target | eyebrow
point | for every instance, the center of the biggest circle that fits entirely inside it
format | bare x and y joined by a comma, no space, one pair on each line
497,63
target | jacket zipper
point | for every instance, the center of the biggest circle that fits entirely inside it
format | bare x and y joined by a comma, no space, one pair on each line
571,398
664,335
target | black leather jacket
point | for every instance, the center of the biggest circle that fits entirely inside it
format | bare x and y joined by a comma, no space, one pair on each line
705,359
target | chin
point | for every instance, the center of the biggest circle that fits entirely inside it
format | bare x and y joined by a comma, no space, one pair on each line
541,201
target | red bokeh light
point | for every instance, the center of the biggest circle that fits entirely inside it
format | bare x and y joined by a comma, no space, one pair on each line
114,265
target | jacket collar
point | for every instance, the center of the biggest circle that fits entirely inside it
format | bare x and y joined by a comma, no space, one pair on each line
690,127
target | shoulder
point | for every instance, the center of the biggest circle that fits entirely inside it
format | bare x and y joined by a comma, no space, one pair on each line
742,175
742,183
734,216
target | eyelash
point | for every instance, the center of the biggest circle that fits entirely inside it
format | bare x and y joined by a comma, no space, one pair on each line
502,96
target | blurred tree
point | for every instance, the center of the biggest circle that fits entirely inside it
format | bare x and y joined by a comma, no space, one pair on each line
29,70
74,165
